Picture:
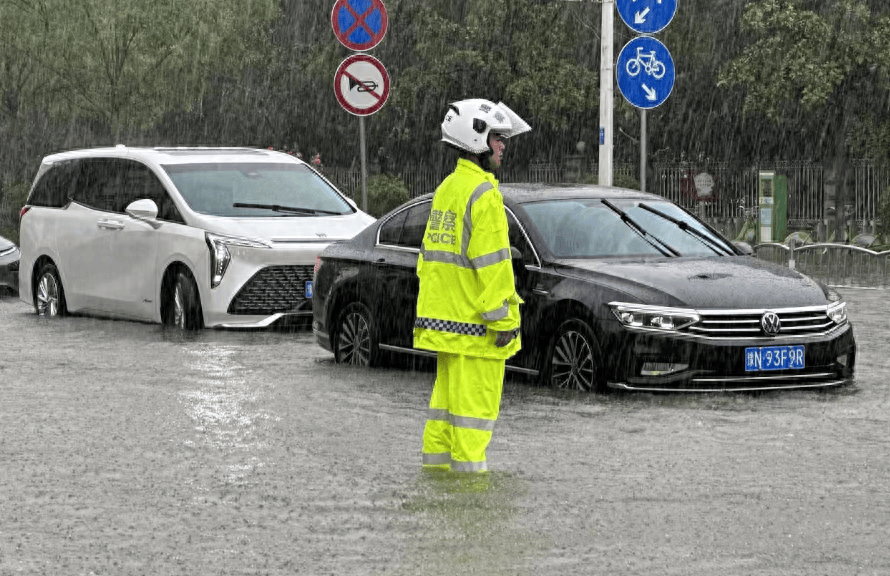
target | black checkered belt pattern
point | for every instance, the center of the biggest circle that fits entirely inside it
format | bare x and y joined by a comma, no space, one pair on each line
449,326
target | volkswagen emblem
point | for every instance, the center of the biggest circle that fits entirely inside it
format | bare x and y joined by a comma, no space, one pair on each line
770,323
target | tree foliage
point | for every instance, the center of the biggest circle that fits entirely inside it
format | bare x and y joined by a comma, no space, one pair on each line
518,51
121,61
818,68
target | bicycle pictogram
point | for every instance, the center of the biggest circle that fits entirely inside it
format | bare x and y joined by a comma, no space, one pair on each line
646,62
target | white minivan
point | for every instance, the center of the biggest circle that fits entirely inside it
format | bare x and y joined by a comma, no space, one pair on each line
189,237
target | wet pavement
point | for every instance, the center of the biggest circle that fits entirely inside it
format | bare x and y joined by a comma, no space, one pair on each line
126,448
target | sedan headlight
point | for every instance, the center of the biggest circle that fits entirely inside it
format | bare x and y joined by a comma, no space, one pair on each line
838,312
661,318
220,255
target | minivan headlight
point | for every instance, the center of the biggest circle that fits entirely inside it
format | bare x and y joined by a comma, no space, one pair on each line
838,312
662,318
220,255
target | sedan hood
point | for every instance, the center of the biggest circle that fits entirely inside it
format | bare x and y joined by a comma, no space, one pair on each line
290,228
737,282
5,244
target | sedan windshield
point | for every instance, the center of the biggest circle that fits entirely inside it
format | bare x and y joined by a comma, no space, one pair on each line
590,228
255,189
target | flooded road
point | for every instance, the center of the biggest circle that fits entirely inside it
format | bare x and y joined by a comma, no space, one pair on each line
126,448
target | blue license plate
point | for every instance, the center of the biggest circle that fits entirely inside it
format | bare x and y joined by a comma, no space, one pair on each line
309,289
774,358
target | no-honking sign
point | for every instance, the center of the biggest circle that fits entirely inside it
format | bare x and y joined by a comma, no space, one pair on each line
361,84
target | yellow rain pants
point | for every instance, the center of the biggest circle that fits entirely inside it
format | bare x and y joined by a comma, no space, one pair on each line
462,412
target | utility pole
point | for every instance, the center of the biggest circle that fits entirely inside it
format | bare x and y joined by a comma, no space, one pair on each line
607,83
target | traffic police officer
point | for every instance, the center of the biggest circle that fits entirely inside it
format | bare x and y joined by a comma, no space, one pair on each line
468,308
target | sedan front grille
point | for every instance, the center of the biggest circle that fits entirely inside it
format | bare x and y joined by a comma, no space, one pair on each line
746,323
272,290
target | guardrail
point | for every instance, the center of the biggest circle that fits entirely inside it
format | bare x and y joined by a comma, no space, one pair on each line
840,265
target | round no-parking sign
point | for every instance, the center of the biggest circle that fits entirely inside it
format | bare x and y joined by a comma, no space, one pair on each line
361,84
359,24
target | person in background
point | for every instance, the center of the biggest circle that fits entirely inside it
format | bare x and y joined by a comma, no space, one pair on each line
467,307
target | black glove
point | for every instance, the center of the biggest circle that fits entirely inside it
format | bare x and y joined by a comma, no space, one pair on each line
504,338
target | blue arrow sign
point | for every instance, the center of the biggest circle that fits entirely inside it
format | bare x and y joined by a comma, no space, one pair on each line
647,16
645,72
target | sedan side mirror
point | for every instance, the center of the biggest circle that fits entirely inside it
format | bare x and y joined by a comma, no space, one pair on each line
515,254
744,247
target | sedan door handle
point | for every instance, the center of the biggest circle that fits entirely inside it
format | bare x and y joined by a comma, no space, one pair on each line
110,224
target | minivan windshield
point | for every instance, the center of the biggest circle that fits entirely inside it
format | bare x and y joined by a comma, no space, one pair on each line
589,228
255,189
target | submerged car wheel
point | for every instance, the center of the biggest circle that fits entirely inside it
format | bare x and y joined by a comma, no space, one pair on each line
50,296
185,309
355,341
572,359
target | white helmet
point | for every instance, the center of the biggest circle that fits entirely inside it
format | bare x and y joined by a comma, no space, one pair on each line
468,123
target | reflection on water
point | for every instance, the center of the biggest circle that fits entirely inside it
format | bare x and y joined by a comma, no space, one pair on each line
470,523
224,404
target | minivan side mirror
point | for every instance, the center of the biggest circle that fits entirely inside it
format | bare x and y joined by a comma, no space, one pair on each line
145,210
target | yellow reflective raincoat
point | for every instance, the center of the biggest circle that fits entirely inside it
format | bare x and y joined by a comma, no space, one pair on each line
467,295
467,291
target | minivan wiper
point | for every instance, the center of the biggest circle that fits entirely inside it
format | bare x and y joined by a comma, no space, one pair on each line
685,227
668,250
280,208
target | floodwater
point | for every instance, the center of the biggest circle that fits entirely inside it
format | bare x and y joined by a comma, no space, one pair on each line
126,448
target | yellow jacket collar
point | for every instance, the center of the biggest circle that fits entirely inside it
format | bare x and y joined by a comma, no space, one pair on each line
464,165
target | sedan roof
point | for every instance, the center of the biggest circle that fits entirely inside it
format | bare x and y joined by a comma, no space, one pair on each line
524,192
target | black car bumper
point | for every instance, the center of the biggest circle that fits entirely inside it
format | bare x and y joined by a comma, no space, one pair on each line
9,273
662,363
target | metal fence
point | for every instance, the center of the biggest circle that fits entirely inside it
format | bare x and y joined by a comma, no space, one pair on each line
734,188
839,265
869,182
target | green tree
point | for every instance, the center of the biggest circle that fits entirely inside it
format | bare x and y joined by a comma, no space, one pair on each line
518,51
819,70
124,62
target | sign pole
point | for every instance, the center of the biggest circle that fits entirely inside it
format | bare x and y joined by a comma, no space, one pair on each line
643,150
606,92
645,68
364,153
361,83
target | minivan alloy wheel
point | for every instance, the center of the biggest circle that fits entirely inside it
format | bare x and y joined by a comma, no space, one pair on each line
50,297
185,305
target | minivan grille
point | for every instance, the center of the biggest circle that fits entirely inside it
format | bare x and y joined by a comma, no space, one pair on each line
273,289
746,323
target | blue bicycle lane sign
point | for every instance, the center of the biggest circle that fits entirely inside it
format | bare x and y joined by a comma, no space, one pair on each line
645,72
647,16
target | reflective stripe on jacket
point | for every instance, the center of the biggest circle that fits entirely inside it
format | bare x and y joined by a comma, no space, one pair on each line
467,292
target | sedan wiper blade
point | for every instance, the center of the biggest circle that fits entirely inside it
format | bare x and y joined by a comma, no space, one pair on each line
668,250
685,227
280,208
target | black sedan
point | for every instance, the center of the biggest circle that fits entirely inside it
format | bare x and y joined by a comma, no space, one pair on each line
9,267
622,289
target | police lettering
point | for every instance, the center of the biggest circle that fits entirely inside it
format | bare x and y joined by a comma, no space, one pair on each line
435,219
448,221
441,238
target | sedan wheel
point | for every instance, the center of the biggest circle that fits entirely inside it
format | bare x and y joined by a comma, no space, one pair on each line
572,359
356,342
50,297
